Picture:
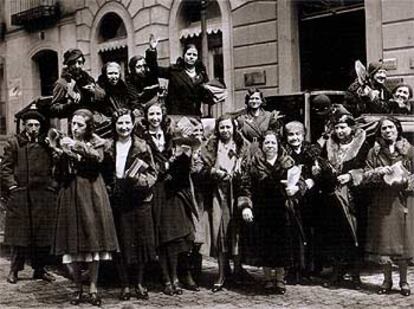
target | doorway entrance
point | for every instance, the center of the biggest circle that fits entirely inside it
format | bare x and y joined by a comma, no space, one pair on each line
332,37
46,71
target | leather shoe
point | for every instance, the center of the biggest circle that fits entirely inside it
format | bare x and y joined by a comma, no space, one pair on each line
94,299
405,289
142,293
217,287
177,288
77,298
125,295
280,287
168,289
12,277
44,275
385,288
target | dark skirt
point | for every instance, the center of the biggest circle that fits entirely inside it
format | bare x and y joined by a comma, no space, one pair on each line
135,229
84,221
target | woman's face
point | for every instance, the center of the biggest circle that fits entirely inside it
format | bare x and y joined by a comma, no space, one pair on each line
198,132
342,131
295,137
389,131
78,127
402,94
76,66
255,101
154,116
113,74
124,126
226,130
191,56
270,145
380,76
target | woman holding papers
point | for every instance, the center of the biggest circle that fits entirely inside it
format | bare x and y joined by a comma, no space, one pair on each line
271,184
132,174
390,234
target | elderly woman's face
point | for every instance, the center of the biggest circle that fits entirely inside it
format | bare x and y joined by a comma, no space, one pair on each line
295,137
124,126
380,76
270,145
402,94
113,73
198,132
78,127
342,131
255,101
226,130
389,131
154,116
191,56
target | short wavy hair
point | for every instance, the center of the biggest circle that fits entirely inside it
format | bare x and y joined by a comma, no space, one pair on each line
252,91
89,121
118,114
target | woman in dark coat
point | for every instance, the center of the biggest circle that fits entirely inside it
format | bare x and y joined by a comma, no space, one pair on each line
304,154
85,229
264,200
222,156
173,201
390,234
142,81
132,176
185,86
344,156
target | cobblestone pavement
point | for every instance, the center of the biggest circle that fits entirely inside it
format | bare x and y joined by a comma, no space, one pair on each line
29,293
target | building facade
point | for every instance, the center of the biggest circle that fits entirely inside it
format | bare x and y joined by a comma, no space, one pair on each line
280,46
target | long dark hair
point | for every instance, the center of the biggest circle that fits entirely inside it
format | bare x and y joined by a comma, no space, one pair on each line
395,121
165,121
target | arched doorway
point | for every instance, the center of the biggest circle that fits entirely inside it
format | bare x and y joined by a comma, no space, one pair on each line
189,27
185,28
45,71
112,41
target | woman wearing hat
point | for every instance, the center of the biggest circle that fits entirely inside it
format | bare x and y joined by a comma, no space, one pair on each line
339,173
85,230
223,155
132,174
390,232
370,96
173,200
75,88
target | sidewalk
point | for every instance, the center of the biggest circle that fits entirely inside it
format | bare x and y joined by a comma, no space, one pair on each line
38,294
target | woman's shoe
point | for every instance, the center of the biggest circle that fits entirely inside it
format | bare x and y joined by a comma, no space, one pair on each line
142,293
125,295
94,299
269,285
405,289
177,288
168,289
217,287
385,287
77,298
280,287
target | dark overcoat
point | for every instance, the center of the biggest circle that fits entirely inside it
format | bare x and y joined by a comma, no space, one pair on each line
131,203
31,207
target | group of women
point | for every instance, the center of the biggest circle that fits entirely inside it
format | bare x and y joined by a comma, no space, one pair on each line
252,192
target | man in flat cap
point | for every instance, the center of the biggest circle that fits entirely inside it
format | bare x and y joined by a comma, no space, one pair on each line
26,178
75,88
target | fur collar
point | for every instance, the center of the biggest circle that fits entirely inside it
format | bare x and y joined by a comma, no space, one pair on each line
402,146
332,148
